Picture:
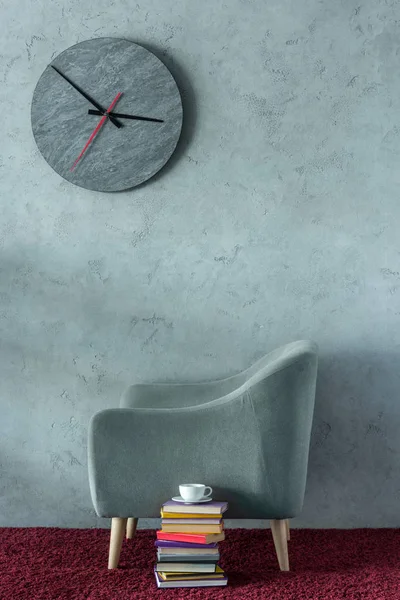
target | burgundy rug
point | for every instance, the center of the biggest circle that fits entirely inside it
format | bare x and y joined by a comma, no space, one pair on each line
71,564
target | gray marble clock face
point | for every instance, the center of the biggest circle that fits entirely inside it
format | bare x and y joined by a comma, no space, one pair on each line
118,158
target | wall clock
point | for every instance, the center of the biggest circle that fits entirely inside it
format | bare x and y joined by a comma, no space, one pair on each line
106,114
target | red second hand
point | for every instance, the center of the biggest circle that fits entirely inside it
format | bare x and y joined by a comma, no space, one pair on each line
97,129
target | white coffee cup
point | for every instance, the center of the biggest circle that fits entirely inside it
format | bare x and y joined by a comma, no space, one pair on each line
192,492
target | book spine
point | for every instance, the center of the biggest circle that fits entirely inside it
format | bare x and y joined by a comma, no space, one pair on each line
207,567
182,558
182,537
172,544
202,522
191,529
205,516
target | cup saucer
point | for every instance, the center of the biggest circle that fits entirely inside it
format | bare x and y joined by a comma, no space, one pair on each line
182,501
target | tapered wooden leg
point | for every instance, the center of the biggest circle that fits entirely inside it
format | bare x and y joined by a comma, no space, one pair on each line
118,527
131,528
278,528
287,530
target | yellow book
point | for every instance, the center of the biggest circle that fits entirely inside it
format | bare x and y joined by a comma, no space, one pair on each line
167,515
191,528
219,574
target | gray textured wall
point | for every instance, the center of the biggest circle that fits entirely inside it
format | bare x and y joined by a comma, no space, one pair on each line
278,219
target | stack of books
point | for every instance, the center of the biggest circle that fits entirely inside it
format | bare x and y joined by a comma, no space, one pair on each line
187,545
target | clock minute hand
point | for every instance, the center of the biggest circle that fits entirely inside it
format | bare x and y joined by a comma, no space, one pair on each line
101,110
122,116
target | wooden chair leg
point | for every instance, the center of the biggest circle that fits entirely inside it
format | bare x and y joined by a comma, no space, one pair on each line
278,528
131,528
118,527
287,530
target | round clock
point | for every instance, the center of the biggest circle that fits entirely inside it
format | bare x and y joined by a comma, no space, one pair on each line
106,114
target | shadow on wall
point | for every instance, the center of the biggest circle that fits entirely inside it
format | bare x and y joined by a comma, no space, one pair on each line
188,102
354,465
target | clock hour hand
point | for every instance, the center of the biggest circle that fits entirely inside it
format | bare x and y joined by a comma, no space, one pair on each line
101,110
122,116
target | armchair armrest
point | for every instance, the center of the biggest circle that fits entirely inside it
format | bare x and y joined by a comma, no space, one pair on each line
138,457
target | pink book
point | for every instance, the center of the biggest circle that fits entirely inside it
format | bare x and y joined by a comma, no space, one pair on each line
196,538
170,544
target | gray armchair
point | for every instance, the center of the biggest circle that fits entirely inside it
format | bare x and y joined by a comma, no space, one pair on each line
246,436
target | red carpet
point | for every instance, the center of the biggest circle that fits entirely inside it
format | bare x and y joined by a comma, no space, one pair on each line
71,564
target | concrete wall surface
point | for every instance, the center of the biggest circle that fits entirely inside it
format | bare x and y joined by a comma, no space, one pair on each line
277,219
